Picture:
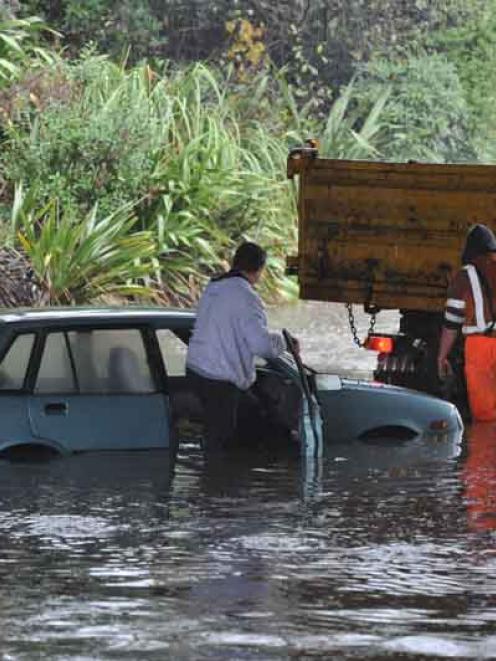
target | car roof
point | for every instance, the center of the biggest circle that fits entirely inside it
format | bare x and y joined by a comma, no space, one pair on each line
129,315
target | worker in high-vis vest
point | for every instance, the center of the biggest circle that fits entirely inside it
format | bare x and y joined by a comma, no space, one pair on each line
471,308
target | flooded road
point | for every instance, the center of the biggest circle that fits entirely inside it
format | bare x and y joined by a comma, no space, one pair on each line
127,556
325,336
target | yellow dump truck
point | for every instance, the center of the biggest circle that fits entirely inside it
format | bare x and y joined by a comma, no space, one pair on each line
389,236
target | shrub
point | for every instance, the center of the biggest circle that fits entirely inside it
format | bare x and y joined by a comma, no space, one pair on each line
426,116
471,49
19,46
78,259
173,146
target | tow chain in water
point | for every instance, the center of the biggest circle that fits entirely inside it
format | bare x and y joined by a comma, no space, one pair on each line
353,328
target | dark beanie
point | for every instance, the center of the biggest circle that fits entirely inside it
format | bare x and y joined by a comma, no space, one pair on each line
480,240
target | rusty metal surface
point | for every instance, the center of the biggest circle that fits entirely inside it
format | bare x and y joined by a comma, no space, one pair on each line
384,233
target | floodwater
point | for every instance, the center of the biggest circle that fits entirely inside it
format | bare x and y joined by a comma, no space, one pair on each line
133,556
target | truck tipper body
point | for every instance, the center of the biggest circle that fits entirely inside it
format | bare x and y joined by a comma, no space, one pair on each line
389,236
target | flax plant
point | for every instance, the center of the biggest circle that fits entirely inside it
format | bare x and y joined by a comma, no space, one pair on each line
210,180
200,167
18,46
78,260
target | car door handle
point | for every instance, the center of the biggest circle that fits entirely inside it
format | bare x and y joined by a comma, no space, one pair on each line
56,408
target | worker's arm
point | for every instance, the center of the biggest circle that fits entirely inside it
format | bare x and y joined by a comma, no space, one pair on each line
257,336
454,318
448,338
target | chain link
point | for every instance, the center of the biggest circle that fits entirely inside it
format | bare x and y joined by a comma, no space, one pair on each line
353,328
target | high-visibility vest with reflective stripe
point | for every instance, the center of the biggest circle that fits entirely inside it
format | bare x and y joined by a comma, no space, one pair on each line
478,323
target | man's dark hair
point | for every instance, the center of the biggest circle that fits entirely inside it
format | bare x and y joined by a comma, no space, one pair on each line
249,257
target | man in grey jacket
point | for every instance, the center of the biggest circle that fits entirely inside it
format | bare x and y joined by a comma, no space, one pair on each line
230,331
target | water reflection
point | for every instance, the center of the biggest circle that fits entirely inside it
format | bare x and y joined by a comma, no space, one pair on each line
373,560
479,476
364,553
63,525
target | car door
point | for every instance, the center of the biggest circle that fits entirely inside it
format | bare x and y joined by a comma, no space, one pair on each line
96,389
14,419
310,421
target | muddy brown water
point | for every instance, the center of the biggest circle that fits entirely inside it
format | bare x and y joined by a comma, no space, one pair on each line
128,556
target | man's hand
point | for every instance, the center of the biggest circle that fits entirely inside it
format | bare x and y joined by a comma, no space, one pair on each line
444,369
291,342
446,343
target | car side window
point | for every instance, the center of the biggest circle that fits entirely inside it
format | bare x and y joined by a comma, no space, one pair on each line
173,352
95,361
111,361
55,374
15,362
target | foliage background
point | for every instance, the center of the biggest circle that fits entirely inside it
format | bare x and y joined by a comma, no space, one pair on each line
173,118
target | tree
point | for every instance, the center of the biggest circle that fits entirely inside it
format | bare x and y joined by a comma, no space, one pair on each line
321,41
471,48
426,116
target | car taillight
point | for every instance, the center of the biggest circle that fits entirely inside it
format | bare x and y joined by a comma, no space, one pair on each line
380,344
439,425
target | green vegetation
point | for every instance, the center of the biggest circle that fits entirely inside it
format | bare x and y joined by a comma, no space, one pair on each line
130,167
19,48
471,49
198,170
172,146
79,259
426,114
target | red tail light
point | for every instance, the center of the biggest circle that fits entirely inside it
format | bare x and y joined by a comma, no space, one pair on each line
380,344
439,425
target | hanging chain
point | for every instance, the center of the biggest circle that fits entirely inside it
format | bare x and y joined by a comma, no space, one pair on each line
353,328
373,319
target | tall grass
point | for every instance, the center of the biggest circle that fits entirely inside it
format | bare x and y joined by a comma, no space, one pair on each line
190,156
19,48
170,145
77,259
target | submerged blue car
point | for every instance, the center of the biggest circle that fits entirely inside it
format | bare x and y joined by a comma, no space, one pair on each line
80,379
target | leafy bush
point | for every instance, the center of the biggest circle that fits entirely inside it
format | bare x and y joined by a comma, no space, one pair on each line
320,42
115,26
471,48
173,146
426,116
80,149
19,46
78,259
